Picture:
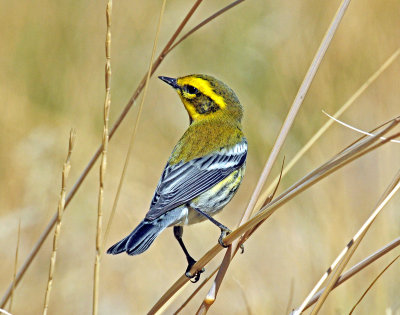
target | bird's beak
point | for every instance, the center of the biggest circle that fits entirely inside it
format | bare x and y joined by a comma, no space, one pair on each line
171,81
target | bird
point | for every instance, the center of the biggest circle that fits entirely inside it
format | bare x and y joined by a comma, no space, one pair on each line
204,171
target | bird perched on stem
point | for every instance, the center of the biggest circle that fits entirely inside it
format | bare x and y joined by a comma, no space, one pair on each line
204,170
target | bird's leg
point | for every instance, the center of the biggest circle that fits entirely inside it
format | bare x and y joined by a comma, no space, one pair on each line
224,230
178,232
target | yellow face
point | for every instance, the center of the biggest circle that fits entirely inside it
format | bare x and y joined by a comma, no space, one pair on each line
199,97
205,97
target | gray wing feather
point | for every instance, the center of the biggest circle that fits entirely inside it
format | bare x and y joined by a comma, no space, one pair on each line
183,182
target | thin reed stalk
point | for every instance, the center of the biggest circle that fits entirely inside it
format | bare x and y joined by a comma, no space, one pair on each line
341,261
15,265
60,212
371,285
328,124
357,268
205,21
198,288
356,129
136,125
103,164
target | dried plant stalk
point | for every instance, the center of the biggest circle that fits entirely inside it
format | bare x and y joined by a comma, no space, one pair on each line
358,267
343,258
15,266
340,262
329,123
60,211
103,164
204,22
136,125
199,287
373,282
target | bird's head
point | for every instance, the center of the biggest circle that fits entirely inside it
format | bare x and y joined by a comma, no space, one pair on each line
205,97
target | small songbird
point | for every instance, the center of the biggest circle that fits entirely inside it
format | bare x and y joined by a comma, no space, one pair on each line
204,170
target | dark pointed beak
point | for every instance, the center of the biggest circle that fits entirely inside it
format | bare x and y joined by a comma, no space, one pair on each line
170,81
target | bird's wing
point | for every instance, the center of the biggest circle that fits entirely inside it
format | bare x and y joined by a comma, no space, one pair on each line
183,182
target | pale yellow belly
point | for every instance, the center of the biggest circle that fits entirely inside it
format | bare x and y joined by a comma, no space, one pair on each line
216,198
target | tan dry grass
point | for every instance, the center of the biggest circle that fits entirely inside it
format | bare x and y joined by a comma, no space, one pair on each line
103,162
341,261
357,268
15,267
60,211
355,52
136,125
371,285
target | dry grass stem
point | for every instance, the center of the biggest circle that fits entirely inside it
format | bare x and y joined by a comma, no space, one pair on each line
355,151
212,293
15,265
357,268
356,129
352,246
103,164
373,282
60,211
244,295
136,125
358,149
206,21
296,105
328,124
298,101
36,248
340,262
290,299
163,309
198,288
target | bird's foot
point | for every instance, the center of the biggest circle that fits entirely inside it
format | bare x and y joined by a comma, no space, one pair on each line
196,276
224,232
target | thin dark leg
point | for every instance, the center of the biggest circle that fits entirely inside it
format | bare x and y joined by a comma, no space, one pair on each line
178,232
224,230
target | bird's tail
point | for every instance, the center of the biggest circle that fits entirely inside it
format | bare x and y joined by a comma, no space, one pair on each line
139,240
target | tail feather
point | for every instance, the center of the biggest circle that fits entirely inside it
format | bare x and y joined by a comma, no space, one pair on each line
139,240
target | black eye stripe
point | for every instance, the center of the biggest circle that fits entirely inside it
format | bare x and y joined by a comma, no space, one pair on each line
191,89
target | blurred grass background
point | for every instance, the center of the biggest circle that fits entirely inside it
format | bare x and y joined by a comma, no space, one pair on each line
52,79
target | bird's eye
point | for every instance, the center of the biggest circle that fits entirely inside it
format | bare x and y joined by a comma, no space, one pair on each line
191,89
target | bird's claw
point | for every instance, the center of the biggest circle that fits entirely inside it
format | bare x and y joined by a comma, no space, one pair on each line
196,276
224,233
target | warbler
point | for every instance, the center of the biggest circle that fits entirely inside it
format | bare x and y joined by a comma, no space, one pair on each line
204,170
